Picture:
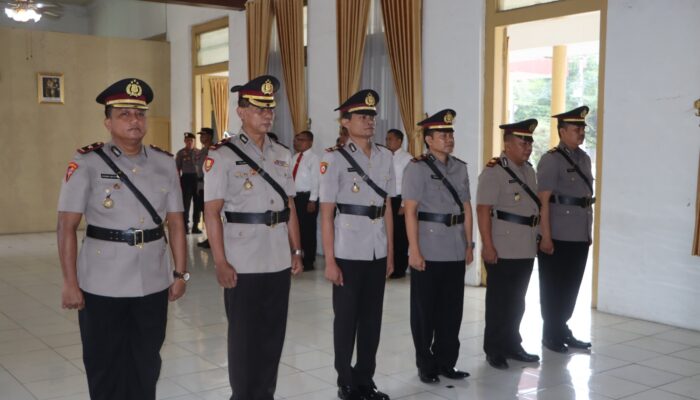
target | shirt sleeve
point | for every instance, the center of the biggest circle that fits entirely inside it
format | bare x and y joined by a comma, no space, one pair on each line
391,185
488,188
288,184
466,194
178,160
174,202
328,183
215,177
315,175
547,173
75,187
412,187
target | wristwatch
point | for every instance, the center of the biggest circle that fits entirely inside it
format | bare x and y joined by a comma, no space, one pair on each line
472,245
298,252
185,276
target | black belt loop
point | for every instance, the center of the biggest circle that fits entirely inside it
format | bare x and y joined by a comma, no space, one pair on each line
447,219
131,236
372,212
583,202
531,221
269,218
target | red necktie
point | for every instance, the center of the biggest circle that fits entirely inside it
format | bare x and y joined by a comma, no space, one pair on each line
296,166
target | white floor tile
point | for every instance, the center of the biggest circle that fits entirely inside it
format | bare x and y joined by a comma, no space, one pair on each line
689,387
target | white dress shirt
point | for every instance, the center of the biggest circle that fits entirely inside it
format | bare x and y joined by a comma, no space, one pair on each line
401,160
307,174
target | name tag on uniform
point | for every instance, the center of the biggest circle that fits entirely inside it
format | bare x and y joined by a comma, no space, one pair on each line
351,169
571,170
281,163
241,162
512,181
109,176
434,177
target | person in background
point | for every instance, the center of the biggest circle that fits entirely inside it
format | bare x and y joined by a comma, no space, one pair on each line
394,142
186,161
305,172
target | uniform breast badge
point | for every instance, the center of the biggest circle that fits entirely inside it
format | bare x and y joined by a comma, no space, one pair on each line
517,197
247,185
108,202
355,187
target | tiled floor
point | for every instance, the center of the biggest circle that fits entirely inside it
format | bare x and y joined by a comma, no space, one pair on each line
40,352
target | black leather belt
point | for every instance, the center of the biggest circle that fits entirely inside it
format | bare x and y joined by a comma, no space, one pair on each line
532,220
447,219
583,202
269,218
373,212
131,236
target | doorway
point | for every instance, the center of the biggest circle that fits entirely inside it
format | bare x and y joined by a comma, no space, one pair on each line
543,59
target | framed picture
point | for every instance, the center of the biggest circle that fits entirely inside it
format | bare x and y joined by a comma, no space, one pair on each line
50,88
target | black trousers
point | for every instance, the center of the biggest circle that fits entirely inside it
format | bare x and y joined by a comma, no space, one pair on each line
437,300
358,316
257,321
400,239
122,337
198,207
560,279
307,228
506,282
189,192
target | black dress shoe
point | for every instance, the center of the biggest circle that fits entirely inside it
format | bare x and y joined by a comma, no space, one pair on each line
523,356
555,345
453,373
371,393
397,276
576,344
428,377
497,361
348,393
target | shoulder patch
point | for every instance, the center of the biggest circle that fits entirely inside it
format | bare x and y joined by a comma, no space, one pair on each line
219,143
457,159
91,147
156,148
493,162
334,148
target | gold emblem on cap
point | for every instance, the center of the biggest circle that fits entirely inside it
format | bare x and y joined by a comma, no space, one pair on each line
134,89
449,117
369,100
267,87
532,127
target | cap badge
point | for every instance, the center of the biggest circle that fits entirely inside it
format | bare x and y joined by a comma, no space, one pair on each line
449,117
369,100
133,89
267,87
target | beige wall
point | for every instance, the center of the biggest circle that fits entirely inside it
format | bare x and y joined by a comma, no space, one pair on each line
38,140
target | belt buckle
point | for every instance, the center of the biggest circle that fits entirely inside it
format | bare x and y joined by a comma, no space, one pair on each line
138,243
274,218
535,221
587,202
378,212
453,219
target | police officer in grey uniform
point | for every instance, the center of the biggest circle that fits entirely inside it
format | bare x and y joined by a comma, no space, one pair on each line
186,161
123,277
206,136
248,183
566,191
357,180
438,214
508,214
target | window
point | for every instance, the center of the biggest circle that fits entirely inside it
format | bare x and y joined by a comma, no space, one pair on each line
212,47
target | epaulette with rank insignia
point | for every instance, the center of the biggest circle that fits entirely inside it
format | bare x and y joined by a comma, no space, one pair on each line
493,162
552,150
156,148
219,143
334,148
457,159
419,158
91,147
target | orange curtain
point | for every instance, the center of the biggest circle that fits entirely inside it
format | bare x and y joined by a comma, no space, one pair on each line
403,28
219,99
258,15
696,241
351,19
290,30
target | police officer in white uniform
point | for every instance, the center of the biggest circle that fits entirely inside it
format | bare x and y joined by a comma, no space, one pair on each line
508,213
248,184
305,165
394,142
565,185
357,181
123,277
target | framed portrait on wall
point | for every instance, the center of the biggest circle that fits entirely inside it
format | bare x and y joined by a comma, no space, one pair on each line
50,88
